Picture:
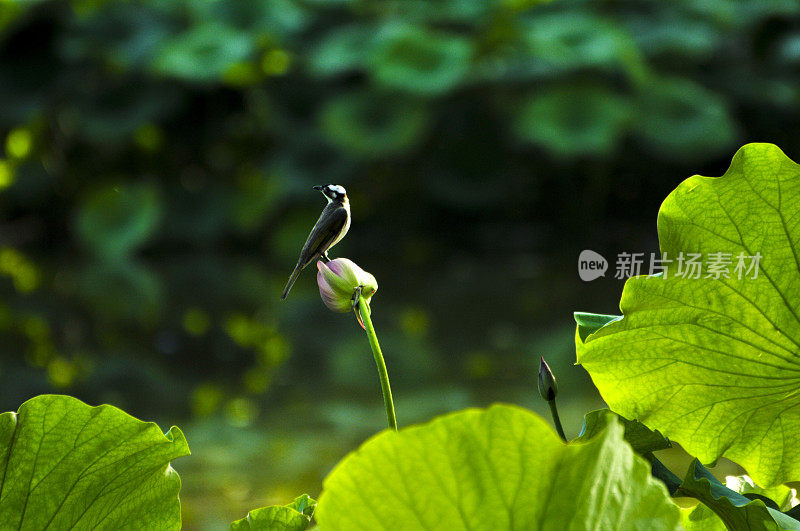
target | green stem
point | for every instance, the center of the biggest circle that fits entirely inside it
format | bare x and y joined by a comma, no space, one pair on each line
556,419
376,352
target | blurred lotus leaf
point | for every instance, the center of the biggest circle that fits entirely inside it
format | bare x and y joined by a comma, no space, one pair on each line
574,120
374,124
568,41
452,11
744,12
276,17
341,50
126,34
679,115
114,115
121,291
114,220
420,61
255,198
203,52
660,31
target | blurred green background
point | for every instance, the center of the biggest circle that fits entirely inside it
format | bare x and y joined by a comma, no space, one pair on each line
156,164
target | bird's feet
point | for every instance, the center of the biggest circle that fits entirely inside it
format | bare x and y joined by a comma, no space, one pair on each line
356,308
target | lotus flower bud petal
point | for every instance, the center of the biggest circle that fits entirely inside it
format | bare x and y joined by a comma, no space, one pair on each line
338,281
548,387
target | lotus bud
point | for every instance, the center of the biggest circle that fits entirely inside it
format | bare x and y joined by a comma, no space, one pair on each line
547,382
338,281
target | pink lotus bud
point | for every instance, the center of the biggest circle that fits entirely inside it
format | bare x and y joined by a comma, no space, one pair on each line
338,281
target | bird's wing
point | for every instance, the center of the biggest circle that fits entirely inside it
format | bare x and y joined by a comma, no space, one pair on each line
324,233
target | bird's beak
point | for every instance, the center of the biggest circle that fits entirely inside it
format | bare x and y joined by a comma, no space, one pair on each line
317,188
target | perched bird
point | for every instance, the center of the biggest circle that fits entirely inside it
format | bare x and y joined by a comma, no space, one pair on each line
331,227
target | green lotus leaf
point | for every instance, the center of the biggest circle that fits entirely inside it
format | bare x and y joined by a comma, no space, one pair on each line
295,516
592,322
66,465
341,51
500,468
121,290
701,518
736,510
114,220
204,52
783,497
565,41
574,120
370,124
642,439
714,363
677,115
420,61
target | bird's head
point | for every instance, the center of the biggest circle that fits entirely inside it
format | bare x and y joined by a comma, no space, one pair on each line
333,192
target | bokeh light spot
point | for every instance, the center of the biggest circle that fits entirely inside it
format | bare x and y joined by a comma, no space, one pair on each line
276,62
478,365
256,380
273,350
6,174
241,74
19,143
240,412
206,399
414,322
149,137
23,272
238,328
61,372
196,321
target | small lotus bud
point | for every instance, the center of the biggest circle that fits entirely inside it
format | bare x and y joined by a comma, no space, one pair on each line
338,281
548,387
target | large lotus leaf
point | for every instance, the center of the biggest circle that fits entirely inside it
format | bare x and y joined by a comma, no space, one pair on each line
714,364
500,468
66,465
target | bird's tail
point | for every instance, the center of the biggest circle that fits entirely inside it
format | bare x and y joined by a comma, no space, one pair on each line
296,273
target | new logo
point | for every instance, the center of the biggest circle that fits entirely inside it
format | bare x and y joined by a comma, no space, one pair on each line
591,265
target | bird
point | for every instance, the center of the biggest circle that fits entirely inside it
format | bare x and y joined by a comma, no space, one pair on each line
330,228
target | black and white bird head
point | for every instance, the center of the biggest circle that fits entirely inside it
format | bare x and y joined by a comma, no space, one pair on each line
333,192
